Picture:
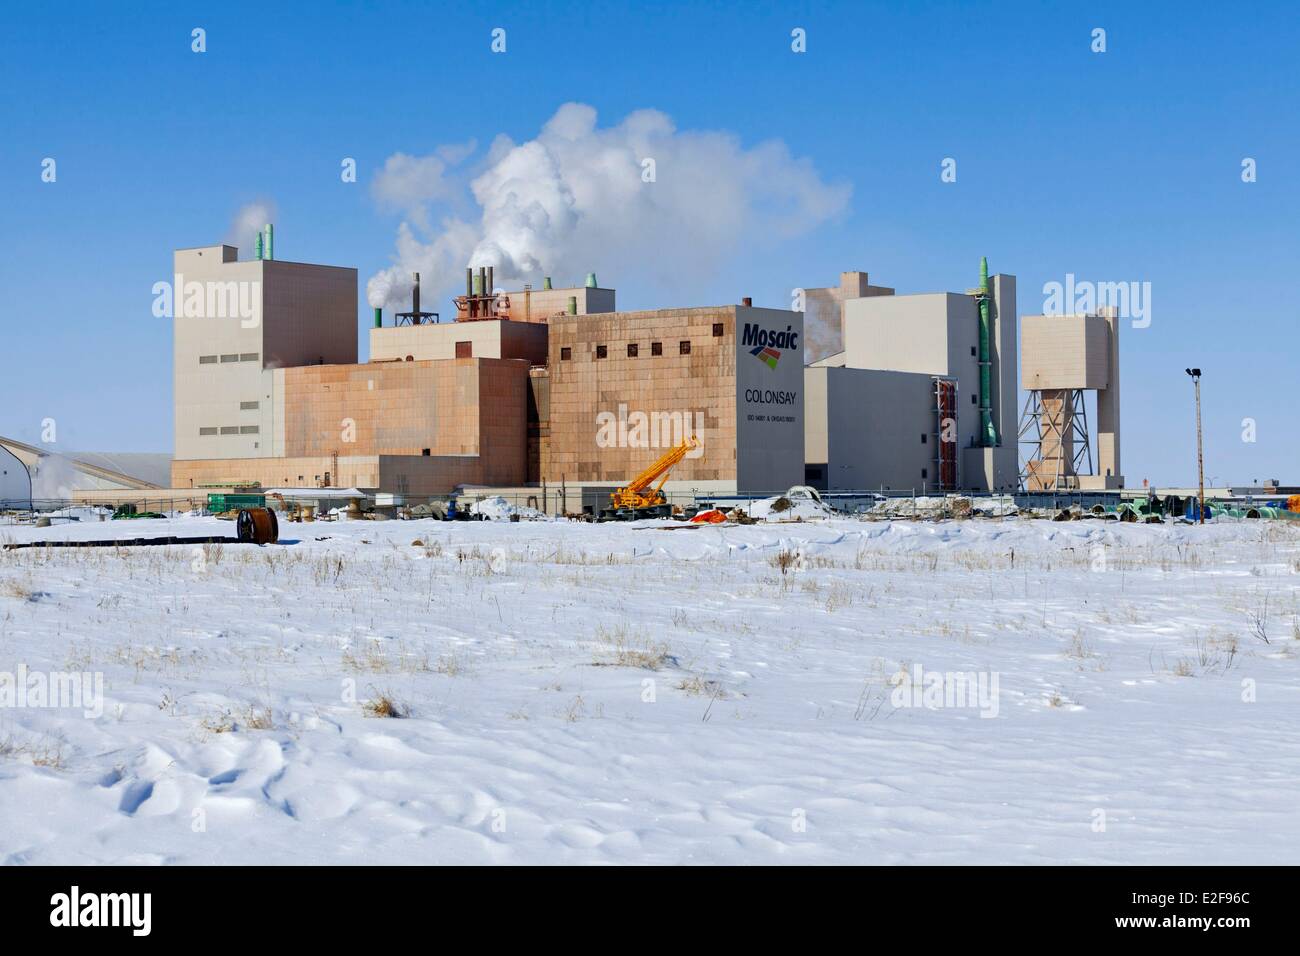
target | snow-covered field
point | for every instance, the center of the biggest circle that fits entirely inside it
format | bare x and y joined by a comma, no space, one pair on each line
632,694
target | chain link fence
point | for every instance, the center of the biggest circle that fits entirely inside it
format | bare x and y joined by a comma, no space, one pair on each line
552,501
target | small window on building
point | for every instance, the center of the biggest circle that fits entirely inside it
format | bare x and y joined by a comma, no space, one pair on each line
230,429
410,358
973,398
249,406
717,330
424,452
464,350
656,348
249,356
631,350
232,357
973,353
248,429
922,438
566,353
925,473
207,360
207,431
684,348
601,351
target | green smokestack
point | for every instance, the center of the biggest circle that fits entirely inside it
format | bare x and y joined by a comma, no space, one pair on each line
988,433
270,241
546,282
259,245
591,280
379,318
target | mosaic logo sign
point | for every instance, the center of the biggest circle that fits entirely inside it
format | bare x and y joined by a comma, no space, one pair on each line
766,345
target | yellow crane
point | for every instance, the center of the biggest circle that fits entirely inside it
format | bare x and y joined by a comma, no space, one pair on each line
639,495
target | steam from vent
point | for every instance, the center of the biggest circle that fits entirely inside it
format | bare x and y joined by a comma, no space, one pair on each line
380,291
54,476
440,263
823,334
247,223
640,197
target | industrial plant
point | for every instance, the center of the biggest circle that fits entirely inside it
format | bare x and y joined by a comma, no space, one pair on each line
557,387
556,395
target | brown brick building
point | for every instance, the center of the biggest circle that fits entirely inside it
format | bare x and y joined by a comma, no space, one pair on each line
626,386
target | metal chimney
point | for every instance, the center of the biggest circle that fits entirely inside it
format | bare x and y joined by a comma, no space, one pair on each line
415,316
270,241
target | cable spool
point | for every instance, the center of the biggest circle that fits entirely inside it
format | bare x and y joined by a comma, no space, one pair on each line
257,526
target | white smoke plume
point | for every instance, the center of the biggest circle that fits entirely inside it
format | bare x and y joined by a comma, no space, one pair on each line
408,183
823,334
54,476
575,199
247,223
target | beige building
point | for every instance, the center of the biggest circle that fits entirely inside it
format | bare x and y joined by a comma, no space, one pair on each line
1065,356
269,391
235,323
897,407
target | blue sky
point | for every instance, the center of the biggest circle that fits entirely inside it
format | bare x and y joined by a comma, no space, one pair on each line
1121,166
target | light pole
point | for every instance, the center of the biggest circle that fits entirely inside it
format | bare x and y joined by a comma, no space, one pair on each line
1195,373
